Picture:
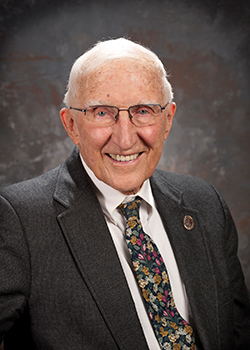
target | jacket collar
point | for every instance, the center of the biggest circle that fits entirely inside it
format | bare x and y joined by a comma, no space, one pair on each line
72,180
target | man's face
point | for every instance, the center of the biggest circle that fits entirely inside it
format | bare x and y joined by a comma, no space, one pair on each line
122,85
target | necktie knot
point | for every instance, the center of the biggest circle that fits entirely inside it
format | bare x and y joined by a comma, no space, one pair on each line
130,210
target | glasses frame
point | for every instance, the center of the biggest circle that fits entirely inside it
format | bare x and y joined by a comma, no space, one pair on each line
121,109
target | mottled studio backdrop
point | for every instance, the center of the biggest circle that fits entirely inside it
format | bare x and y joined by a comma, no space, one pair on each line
205,47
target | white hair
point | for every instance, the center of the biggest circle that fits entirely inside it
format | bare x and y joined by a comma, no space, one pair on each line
116,49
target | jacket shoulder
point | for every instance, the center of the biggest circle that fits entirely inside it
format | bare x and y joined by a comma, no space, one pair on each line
32,188
181,182
45,184
188,190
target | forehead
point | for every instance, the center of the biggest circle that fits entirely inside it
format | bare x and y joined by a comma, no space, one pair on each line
122,80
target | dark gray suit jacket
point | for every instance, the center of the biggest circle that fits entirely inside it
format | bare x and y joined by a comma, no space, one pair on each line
61,283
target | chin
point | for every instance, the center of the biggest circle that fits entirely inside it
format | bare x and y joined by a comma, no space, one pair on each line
128,190
125,183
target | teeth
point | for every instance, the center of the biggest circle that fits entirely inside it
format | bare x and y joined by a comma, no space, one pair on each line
124,158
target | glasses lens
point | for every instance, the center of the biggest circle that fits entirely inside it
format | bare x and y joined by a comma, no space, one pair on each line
145,114
101,115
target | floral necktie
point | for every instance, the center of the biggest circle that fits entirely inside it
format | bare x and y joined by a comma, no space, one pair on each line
172,331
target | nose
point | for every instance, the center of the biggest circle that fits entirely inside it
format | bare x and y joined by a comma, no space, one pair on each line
125,110
124,131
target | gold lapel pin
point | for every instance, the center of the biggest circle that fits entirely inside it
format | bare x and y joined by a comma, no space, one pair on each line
188,222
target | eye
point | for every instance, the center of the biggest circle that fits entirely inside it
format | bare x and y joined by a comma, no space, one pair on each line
104,111
100,112
142,111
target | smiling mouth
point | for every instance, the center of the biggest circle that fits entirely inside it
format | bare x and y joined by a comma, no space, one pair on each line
121,158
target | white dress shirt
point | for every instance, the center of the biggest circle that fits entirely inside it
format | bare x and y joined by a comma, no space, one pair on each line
109,199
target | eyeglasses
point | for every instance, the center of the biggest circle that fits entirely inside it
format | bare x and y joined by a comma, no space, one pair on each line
139,115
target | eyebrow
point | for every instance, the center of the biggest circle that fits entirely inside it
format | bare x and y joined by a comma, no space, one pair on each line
96,103
104,103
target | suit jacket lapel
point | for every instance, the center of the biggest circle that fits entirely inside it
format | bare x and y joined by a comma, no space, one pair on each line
89,240
192,256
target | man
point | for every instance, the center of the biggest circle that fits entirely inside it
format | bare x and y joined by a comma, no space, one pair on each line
67,278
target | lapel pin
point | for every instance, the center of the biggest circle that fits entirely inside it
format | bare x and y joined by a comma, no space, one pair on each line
188,222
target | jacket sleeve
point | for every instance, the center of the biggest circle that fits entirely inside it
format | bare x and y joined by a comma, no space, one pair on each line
239,292
14,268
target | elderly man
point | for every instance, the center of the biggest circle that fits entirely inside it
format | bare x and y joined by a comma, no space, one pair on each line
105,252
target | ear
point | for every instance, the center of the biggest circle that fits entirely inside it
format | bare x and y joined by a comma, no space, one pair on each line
170,112
69,122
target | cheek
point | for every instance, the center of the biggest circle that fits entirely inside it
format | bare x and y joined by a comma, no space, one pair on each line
92,140
153,135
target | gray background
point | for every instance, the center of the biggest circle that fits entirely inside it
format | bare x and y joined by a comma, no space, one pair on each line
205,47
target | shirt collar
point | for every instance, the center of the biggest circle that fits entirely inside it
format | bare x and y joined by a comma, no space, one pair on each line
110,198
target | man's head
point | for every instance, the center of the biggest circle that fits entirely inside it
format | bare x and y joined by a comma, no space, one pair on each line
123,151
